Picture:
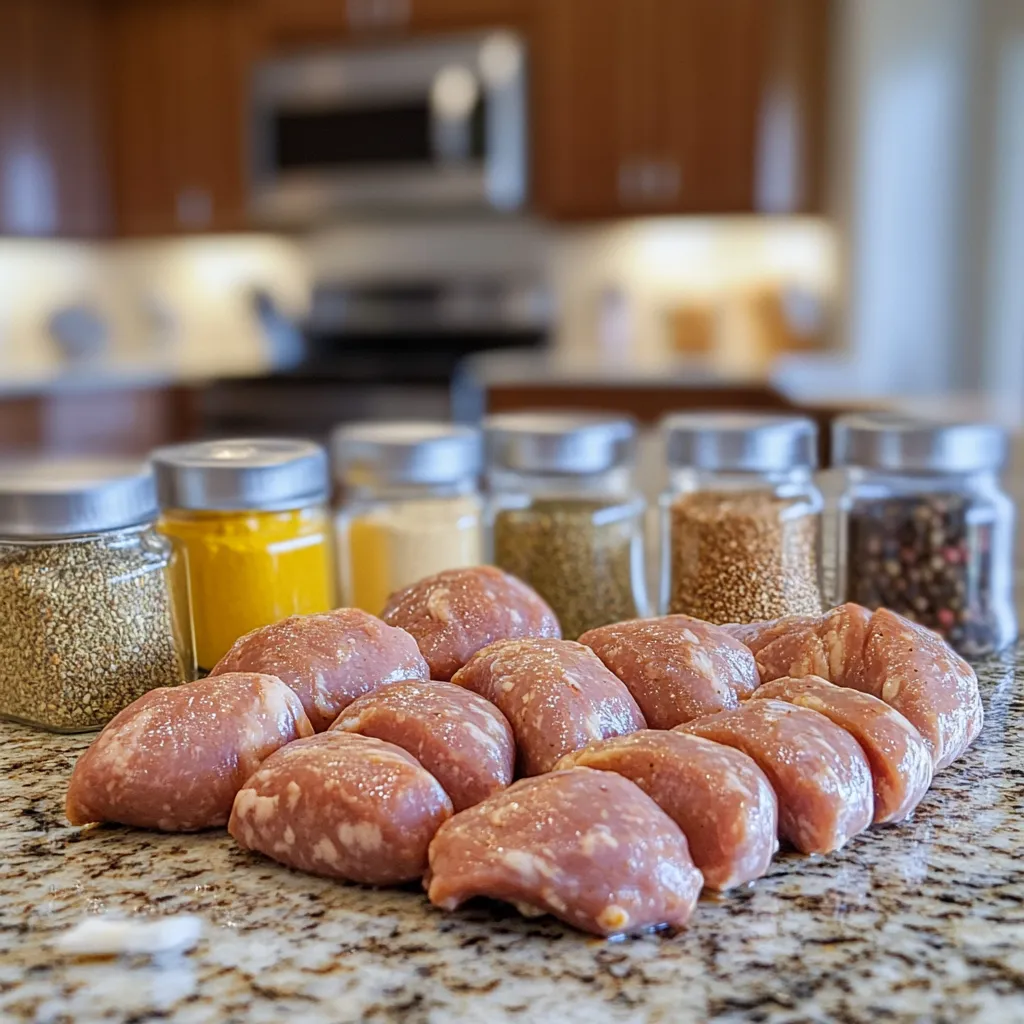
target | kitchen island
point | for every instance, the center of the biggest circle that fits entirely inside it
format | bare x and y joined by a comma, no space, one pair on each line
917,922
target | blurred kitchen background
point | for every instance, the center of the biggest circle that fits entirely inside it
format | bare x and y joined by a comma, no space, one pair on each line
235,216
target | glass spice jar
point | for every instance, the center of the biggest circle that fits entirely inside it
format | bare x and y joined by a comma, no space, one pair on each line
93,605
924,528
565,516
741,518
410,506
251,517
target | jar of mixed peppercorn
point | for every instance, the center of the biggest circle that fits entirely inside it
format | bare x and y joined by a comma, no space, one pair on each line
924,528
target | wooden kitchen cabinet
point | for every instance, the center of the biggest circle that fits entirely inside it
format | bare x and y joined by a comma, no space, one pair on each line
678,106
52,168
127,422
324,22
179,82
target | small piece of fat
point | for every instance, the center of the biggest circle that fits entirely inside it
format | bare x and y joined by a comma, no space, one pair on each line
118,936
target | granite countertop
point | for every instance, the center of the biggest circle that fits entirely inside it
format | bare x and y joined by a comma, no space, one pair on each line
918,922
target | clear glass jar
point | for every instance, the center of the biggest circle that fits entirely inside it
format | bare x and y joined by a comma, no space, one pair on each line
924,528
741,518
94,607
409,506
564,515
252,519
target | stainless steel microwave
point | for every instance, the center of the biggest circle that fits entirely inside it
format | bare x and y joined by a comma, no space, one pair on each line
429,125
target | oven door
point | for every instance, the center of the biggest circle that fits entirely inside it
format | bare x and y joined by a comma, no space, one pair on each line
426,125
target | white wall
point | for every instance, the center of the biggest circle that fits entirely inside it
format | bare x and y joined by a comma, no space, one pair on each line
1001,197
905,77
930,192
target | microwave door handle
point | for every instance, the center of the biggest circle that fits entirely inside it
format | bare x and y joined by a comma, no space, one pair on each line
505,129
454,95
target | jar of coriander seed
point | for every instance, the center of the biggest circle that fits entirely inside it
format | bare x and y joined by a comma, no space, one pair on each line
565,515
924,527
741,518
94,608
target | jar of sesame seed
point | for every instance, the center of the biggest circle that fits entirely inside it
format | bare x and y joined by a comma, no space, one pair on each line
924,527
94,610
741,518
565,516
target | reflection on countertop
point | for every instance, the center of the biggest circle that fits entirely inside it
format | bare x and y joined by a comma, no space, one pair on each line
922,921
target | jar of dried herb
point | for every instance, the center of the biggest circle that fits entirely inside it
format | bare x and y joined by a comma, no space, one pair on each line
565,516
742,517
924,528
252,518
93,605
409,506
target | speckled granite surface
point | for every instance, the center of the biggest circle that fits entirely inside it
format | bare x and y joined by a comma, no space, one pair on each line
919,922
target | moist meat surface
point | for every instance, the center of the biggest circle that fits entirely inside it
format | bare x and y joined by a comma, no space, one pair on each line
818,771
588,847
900,762
556,695
342,805
716,794
175,758
328,659
677,668
881,653
463,740
456,613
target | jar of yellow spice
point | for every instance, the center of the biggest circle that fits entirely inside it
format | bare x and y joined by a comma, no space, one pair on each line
410,506
252,519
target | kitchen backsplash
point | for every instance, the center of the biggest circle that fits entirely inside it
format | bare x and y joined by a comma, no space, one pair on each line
171,308
615,287
184,305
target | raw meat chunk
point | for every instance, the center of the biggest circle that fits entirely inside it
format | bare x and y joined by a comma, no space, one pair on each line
677,668
915,671
463,740
175,758
717,795
909,667
826,645
588,847
556,695
328,659
818,771
458,612
342,805
900,762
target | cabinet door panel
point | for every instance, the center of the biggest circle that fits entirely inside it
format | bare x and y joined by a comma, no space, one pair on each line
455,15
326,22
52,173
678,106
179,70
710,59
594,123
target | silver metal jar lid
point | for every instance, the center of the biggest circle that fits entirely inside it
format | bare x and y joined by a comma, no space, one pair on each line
414,453
740,442
570,443
900,443
258,474
50,498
